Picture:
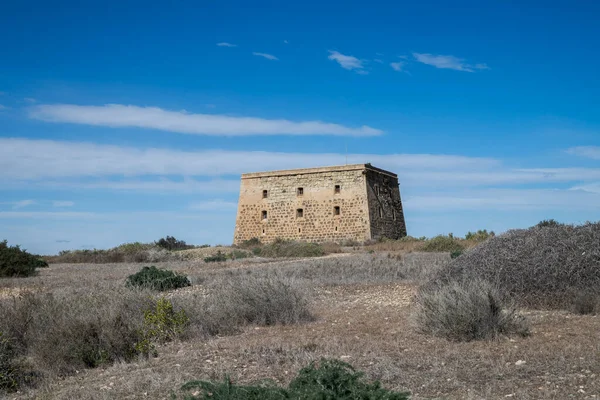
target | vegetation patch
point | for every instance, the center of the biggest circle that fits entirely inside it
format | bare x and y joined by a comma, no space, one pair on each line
172,244
328,379
15,262
442,243
161,324
157,279
546,266
465,311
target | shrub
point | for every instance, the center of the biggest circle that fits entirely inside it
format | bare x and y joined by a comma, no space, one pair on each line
548,223
586,303
442,243
157,279
161,324
61,334
171,244
127,252
465,311
456,254
250,243
17,262
330,379
288,248
218,257
538,267
480,235
9,371
265,301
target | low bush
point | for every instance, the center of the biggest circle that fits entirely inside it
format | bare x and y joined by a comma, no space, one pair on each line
16,262
288,248
442,243
161,324
172,244
586,302
480,235
329,379
10,372
68,332
127,252
157,279
541,267
465,311
219,256
261,301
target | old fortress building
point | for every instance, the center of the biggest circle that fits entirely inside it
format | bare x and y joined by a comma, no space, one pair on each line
351,202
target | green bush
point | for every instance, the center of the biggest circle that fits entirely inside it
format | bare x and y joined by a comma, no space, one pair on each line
161,324
157,279
171,244
329,380
17,262
480,235
456,254
465,311
548,222
442,243
9,371
218,257
289,248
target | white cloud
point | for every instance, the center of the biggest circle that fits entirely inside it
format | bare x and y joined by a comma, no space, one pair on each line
116,115
592,152
350,63
502,199
45,215
377,60
591,187
447,62
62,203
30,100
286,42
225,44
265,55
22,204
397,66
41,159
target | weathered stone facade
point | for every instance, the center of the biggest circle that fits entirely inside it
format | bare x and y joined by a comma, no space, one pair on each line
351,202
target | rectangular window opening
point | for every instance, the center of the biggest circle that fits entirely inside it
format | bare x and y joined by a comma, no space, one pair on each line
394,214
337,189
299,213
263,231
300,191
265,194
336,228
336,210
380,212
264,214
299,230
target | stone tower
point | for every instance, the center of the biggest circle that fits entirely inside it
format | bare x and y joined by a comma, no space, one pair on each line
329,204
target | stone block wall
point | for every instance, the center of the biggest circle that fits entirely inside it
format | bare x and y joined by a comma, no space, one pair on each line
269,205
385,205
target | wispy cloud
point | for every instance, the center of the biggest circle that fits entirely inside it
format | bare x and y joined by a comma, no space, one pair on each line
265,55
41,159
502,199
448,62
225,44
286,42
63,241
592,152
397,66
591,187
22,204
350,63
30,100
63,203
377,60
117,115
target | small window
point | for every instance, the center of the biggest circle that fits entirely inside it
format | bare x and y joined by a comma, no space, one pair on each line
264,214
337,189
265,194
263,231
377,189
336,210
336,228
394,214
299,213
300,191
380,212
299,230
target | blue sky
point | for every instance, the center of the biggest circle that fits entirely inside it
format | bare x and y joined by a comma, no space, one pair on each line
129,121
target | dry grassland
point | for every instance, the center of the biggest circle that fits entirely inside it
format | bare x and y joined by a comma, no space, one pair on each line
362,304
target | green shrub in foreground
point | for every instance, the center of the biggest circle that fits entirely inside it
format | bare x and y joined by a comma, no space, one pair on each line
327,380
161,324
157,279
17,262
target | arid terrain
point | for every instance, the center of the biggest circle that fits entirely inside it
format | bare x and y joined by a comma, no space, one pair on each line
362,307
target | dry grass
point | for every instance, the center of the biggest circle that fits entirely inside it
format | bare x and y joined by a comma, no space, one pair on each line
362,305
